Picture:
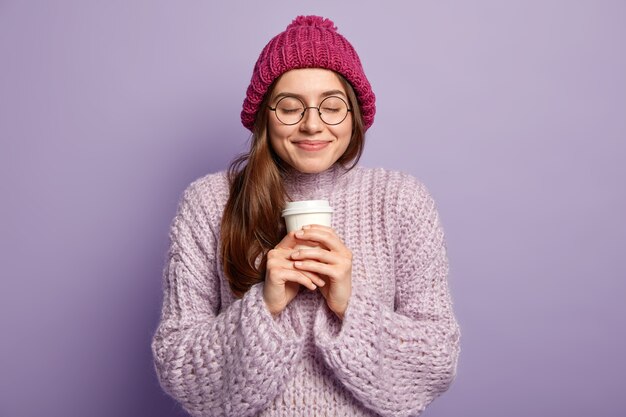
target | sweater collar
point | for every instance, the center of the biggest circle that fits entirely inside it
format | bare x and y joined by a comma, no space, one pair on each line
301,186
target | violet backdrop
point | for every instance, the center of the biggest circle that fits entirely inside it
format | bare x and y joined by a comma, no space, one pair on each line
512,112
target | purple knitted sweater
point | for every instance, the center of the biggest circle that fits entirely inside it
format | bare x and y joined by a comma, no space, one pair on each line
394,352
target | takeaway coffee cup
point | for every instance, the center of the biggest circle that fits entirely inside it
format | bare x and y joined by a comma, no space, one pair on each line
302,213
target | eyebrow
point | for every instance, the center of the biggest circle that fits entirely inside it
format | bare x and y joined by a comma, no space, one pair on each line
324,94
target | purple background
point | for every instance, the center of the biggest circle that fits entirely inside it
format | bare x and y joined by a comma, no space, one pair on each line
512,112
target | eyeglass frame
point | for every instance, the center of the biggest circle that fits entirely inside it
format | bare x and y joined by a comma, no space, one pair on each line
305,108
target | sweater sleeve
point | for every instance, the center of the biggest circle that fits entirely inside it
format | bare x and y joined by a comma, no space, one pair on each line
214,360
396,361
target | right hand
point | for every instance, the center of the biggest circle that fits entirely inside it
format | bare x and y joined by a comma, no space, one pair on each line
282,280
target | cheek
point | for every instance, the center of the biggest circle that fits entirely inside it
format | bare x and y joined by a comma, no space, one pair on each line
274,133
271,129
277,137
348,126
345,133
276,144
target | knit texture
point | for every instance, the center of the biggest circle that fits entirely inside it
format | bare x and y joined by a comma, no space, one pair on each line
308,42
394,352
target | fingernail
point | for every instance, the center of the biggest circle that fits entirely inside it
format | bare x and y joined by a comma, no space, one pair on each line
295,254
300,233
306,227
298,264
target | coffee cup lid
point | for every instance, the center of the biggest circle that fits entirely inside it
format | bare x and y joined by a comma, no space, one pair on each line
307,206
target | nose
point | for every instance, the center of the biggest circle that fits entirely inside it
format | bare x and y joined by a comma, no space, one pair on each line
311,121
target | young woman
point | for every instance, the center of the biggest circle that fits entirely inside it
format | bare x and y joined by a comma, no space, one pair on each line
361,323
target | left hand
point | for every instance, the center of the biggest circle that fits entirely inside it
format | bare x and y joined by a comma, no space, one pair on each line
331,260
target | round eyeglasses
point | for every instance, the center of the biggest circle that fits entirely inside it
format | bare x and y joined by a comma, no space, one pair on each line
290,110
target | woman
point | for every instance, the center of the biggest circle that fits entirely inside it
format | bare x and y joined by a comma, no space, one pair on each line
361,324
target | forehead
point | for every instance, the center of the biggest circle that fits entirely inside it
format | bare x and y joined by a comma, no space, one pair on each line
308,82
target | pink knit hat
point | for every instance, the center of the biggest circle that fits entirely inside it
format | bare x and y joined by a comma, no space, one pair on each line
308,42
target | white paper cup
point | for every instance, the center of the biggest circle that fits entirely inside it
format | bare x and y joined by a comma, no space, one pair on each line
302,213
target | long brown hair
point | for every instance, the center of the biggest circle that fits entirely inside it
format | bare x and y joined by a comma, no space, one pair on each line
252,223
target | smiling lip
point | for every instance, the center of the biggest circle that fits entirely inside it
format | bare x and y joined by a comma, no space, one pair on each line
311,145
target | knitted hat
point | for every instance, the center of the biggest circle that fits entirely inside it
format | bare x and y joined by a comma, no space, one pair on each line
308,42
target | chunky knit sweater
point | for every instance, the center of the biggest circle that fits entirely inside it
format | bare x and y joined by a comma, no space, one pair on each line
394,352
